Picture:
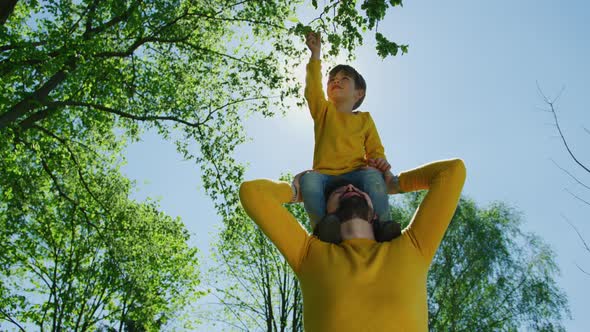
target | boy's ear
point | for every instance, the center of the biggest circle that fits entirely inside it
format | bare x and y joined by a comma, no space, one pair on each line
359,93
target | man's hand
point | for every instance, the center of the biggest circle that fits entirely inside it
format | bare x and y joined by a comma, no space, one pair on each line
313,40
380,163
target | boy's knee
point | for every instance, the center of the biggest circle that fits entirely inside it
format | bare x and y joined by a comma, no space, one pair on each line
312,182
374,182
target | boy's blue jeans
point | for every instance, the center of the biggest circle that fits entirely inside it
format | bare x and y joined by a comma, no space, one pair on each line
369,180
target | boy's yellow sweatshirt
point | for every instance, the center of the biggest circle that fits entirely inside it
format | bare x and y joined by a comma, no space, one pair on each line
343,141
360,284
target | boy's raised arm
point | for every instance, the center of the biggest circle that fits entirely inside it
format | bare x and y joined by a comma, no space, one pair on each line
314,92
313,40
263,201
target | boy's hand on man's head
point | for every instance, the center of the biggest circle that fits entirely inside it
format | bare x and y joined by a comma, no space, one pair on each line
380,163
313,40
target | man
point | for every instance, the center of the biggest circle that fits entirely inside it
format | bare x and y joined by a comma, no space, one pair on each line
360,284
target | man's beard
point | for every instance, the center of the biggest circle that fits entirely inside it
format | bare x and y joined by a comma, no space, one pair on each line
353,207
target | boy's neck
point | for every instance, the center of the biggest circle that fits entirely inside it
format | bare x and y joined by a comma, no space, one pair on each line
344,107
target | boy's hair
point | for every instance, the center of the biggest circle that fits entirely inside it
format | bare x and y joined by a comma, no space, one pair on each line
359,81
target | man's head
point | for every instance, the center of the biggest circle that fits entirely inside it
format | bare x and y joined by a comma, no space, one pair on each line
350,215
345,84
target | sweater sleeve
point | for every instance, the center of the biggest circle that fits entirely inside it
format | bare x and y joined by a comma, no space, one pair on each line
263,201
444,181
373,147
314,93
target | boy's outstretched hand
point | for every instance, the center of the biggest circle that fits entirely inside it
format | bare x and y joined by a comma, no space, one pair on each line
380,163
313,40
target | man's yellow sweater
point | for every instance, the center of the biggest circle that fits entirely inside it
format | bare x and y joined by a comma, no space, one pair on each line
343,141
360,284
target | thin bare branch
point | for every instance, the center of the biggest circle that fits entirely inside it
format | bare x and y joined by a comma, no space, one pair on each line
572,176
578,197
234,313
539,109
551,105
554,100
209,318
586,246
584,271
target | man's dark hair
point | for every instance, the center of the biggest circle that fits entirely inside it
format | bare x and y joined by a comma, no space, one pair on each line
359,81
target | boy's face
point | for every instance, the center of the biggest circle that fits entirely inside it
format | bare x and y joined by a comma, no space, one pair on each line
341,89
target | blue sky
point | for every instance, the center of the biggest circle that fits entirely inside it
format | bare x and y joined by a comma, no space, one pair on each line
466,89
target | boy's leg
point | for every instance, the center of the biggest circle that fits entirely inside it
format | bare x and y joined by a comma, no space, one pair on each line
312,185
371,181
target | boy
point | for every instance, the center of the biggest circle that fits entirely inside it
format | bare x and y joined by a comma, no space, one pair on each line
347,148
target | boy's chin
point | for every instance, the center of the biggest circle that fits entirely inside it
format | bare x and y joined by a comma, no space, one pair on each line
338,99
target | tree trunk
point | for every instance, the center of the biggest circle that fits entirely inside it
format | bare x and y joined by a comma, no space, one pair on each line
6,8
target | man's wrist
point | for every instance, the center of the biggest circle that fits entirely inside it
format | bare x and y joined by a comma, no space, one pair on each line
315,55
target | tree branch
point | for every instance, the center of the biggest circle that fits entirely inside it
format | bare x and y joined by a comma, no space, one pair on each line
582,270
124,114
572,176
586,246
152,38
203,49
234,19
78,166
11,320
115,20
37,116
578,197
235,314
551,105
17,46
39,97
